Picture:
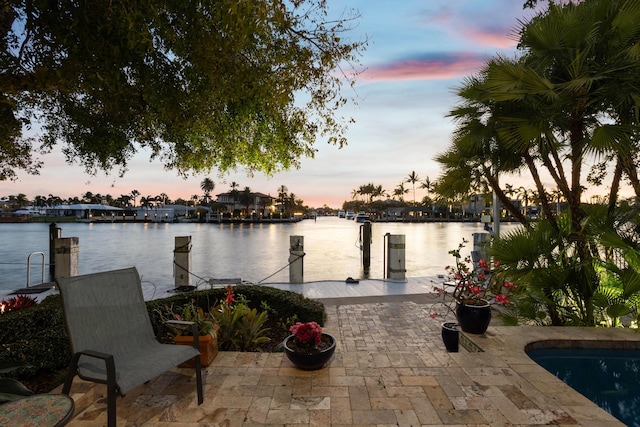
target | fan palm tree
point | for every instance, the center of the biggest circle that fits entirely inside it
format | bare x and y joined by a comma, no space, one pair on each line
427,184
134,195
412,179
572,95
207,185
400,191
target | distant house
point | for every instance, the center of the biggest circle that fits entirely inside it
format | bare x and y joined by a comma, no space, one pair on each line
259,203
84,210
168,213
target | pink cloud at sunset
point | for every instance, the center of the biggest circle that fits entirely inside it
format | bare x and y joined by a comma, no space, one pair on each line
436,67
499,38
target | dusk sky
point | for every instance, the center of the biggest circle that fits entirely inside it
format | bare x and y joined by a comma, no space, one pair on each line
419,52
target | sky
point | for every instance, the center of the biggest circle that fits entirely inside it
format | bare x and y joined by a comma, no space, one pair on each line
419,52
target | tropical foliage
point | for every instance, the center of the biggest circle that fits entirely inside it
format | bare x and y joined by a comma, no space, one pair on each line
570,100
241,327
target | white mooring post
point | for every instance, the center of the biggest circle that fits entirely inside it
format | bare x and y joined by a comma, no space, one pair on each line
296,254
182,261
395,256
481,242
67,256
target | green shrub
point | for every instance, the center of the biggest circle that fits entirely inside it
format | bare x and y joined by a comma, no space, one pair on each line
37,335
283,304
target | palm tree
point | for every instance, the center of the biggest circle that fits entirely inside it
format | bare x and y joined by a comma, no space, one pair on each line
412,179
164,198
378,191
245,198
282,197
207,185
565,100
123,200
523,194
400,191
427,185
134,195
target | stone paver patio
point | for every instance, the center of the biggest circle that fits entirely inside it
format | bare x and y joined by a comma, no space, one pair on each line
390,368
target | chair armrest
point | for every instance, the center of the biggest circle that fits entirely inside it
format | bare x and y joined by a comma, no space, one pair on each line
108,361
96,354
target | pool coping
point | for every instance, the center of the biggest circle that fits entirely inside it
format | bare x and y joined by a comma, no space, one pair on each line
506,346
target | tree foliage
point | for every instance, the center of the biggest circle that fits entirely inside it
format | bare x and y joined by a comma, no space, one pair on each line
201,84
571,99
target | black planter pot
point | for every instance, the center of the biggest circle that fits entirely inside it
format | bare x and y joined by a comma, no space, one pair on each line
450,336
312,361
474,318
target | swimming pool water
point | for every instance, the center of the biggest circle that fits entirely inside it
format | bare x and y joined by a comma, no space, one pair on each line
608,377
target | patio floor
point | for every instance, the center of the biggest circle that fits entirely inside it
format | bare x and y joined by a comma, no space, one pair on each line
390,368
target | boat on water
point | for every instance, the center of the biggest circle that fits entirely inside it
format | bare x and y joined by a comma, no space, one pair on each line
341,214
362,217
350,215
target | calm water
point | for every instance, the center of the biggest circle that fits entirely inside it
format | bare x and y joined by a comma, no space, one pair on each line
253,252
608,377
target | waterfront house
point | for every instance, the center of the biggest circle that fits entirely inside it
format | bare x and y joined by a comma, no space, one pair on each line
258,203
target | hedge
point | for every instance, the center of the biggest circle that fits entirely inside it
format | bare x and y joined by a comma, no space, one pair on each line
37,335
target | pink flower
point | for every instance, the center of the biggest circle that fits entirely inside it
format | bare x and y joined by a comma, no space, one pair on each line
502,299
307,332
496,264
509,285
475,290
433,315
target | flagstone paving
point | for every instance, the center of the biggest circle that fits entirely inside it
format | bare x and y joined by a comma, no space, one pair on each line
390,368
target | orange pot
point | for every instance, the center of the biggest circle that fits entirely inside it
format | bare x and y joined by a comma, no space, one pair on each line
208,348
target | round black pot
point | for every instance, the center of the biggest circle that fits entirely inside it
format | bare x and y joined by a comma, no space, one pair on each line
474,318
312,361
450,336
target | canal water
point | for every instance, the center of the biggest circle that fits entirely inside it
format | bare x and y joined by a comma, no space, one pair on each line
257,253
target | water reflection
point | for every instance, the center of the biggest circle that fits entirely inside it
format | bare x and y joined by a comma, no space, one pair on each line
254,252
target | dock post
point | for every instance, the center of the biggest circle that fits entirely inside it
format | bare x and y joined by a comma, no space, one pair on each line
365,230
182,261
395,256
67,251
55,233
481,242
296,254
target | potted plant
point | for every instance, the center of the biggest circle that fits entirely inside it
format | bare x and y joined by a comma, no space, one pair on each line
450,336
473,287
308,347
182,333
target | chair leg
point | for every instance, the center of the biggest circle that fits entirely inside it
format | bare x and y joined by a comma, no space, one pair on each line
71,373
111,392
198,364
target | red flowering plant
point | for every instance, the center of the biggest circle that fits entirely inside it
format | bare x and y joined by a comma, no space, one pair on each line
17,303
307,338
474,283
